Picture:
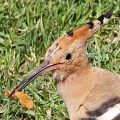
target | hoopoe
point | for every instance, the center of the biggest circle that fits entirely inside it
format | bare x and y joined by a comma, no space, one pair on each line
90,93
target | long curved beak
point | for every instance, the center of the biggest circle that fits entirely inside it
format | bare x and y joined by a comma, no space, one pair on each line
44,67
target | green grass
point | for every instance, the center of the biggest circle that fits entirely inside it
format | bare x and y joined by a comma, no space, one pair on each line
28,28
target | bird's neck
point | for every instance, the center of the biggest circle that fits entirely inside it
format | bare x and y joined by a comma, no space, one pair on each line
75,88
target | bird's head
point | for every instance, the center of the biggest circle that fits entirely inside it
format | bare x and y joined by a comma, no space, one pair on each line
67,53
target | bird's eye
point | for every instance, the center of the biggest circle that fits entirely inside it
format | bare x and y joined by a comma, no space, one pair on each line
68,56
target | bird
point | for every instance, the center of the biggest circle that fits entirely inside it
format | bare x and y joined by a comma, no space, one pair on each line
89,93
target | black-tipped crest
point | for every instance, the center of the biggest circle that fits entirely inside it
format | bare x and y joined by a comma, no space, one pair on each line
101,18
108,14
105,16
91,25
70,33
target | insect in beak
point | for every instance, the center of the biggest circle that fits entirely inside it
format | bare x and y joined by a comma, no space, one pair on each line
43,68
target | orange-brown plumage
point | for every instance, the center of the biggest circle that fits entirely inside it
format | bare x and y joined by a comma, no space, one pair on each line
87,91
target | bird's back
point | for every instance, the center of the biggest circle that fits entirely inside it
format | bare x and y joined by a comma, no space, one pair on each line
90,93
